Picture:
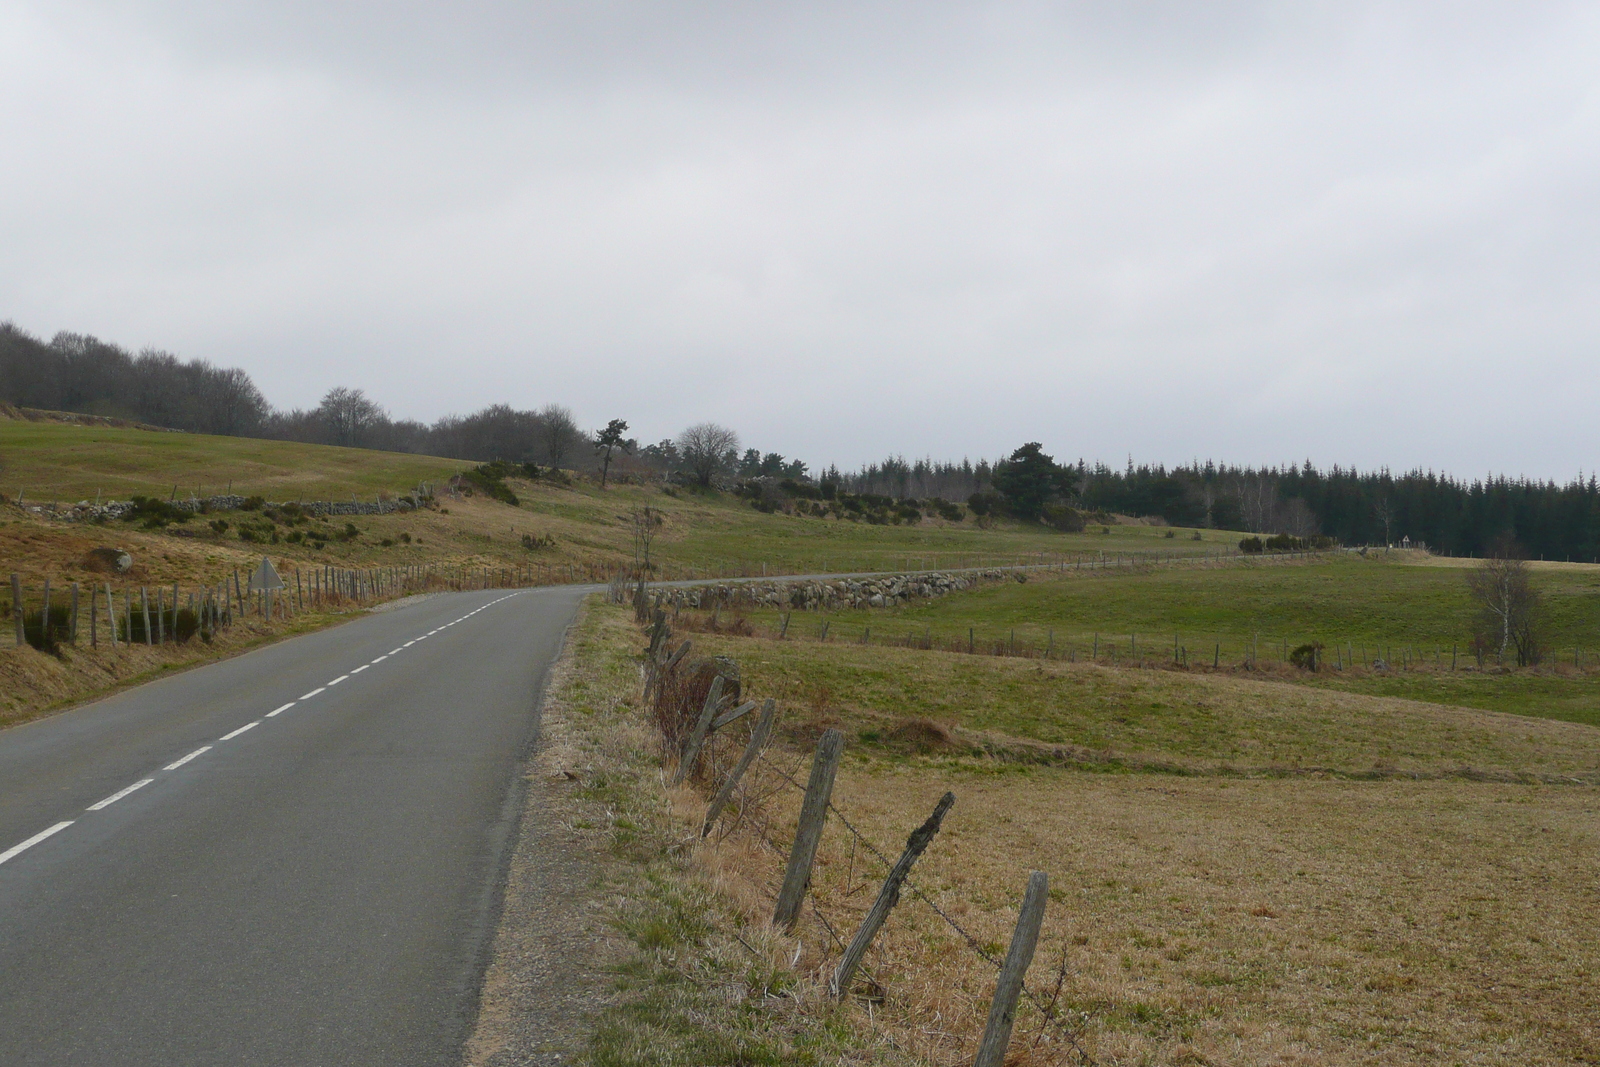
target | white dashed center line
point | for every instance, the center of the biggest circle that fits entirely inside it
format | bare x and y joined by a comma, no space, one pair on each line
202,750
179,763
16,850
114,797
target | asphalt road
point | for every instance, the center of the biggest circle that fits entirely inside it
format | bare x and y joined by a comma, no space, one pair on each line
306,873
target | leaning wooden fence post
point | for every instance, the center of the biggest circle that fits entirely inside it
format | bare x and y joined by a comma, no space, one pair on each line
1003,1009
813,813
17,607
888,896
702,727
758,741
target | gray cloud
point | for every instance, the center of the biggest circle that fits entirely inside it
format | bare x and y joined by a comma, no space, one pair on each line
1360,233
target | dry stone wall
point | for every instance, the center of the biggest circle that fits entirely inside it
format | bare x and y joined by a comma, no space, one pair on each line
831,593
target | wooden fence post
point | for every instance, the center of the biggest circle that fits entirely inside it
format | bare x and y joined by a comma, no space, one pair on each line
74,613
808,835
888,896
1003,1009
702,727
111,615
758,741
17,606
144,607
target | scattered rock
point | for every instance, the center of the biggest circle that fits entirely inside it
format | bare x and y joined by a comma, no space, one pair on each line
108,561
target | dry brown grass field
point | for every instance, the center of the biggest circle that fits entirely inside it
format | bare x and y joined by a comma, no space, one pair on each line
1229,909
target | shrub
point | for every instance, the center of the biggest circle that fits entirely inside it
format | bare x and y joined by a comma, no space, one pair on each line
253,503
1062,517
1306,656
48,635
219,526
179,624
387,542
490,478
1250,546
154,513
405,537
1170,534
532,543
985,503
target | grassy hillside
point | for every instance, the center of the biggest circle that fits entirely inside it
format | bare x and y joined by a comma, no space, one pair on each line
50,461
703,532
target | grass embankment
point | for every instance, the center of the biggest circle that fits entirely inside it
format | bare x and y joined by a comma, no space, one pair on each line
692,981
1407,608
1313,914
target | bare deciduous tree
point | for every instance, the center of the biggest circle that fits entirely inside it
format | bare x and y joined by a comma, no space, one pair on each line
349,414
647,522
559,433
707,449
1510,609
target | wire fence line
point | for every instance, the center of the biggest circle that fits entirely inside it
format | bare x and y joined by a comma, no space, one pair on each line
691,699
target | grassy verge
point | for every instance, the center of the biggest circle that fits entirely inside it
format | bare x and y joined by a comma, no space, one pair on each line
698,981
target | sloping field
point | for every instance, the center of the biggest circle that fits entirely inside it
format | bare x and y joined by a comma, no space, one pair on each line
1100,716
49,461
1242,871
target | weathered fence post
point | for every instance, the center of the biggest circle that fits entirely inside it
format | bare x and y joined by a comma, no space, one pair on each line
144,607
888,896
111,615
808,835
758,741
17,606
74,613
1003,1009
702,727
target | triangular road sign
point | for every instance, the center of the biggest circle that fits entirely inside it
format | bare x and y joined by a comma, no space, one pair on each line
265,576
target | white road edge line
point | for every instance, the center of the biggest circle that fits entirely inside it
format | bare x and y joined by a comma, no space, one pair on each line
380,659
408,644
392,651
279,711
313,693
114,797
240,730
179,763
17,850
361,668
337,680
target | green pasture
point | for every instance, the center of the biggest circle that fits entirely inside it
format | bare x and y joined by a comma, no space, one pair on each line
1408,613
46,461
1195,721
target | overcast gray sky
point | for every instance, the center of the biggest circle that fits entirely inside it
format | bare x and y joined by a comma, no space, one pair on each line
1359,233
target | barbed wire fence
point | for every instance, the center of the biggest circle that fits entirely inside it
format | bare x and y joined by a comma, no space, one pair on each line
692,700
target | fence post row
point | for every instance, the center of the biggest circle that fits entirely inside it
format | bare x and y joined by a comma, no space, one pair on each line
691,748
758,741
1003,1008
813,812
888,896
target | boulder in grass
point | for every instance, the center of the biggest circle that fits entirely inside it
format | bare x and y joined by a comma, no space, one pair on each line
108,561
